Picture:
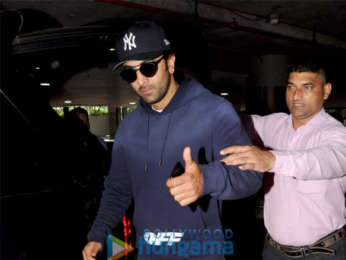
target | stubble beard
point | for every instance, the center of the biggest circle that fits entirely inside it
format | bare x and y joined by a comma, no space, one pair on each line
161,93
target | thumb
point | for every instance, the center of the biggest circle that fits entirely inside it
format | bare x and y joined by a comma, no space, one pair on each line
187,157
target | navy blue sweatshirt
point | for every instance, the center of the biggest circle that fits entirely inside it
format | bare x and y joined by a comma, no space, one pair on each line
147,146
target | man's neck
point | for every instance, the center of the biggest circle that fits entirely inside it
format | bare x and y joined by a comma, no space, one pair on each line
296,122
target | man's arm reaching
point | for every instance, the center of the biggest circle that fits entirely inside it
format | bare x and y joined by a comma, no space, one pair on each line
325,161
215,178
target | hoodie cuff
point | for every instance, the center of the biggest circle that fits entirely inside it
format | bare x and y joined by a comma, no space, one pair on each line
98,234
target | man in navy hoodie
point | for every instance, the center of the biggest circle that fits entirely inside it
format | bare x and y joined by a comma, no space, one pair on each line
173,123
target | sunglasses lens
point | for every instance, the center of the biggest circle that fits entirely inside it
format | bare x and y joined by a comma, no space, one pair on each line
128,75
148,69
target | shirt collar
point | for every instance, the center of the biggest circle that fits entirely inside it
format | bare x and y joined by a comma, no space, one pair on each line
316,120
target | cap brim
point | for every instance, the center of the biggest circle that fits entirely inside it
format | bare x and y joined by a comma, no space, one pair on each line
140,56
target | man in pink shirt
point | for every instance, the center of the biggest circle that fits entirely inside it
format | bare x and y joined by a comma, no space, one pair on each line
304,208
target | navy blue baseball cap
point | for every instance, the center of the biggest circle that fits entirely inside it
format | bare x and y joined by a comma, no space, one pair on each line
141,41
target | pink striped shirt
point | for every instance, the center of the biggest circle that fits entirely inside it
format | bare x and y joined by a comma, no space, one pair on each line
306,200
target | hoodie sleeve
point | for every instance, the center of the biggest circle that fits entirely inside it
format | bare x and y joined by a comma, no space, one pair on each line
222,181
116,197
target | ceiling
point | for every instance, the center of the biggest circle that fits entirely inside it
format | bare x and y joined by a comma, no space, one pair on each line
221,36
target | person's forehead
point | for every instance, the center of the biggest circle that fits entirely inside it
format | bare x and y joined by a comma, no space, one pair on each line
82,115
305,76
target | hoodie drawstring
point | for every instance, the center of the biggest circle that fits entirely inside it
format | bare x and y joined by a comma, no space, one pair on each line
165,140
146,166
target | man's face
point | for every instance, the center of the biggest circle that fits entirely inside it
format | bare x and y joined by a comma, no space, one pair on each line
84,118
151,89
305,94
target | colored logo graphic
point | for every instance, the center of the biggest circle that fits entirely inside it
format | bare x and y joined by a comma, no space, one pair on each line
186,243
157,239
117,248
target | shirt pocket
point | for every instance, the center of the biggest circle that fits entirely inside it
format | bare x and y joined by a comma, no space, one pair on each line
312,186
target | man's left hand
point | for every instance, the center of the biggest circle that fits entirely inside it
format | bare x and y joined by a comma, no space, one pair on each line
248,157
188,187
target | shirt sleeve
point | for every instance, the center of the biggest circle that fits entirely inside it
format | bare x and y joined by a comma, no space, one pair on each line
228,182
116,197
325,161
258,122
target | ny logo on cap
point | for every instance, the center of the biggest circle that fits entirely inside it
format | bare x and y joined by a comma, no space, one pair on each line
129,42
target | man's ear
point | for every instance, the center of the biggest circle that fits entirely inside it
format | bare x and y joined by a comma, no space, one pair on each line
327,89
171,63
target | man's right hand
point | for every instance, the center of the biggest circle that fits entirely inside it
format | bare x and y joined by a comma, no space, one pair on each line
91,250
248,157
188,187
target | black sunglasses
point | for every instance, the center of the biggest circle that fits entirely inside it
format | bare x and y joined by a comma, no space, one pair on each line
147,68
